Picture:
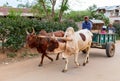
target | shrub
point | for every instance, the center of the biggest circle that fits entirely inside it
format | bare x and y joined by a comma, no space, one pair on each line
18,25
117,28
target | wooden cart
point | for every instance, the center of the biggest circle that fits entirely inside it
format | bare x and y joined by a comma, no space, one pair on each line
105,41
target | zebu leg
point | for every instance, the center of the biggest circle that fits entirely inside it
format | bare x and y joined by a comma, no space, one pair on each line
57,57
86,58
48,57
42,57
41,62
66,65
76,59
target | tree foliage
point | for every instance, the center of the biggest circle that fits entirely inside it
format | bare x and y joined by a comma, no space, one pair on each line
26,5
117,28
47,8
13,29
64,6
77,15
100,16
92,8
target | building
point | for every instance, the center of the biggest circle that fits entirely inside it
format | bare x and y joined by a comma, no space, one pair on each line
112,12
5,11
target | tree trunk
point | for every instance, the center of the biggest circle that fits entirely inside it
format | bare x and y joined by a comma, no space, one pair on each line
60,16
53,2
64,3
43,4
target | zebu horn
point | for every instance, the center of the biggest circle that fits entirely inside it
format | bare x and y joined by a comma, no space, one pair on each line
27,32
53,36
63,38
33,30
41,36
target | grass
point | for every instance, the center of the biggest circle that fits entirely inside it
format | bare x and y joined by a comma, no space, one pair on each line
117,37
28,55
11,55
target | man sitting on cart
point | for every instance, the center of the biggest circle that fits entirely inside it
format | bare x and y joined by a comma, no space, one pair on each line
86,23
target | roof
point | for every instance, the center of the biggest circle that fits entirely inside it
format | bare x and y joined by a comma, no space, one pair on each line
4,11
110,7
97,21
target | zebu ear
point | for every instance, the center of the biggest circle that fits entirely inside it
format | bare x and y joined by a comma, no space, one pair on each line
27,32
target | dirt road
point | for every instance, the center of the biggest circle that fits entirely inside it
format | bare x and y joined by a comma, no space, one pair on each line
99,68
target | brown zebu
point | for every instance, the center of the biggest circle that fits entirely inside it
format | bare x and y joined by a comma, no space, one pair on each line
34,41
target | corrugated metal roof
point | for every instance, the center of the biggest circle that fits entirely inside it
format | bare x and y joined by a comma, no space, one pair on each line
4,11
110,7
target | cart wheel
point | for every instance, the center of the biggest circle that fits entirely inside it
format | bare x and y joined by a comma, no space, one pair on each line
110,49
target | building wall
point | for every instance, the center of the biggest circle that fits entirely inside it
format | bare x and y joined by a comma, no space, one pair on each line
112,12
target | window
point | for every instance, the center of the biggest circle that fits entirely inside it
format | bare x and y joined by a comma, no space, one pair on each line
116,12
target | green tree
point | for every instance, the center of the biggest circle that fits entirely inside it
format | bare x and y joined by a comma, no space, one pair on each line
47,7
37,10
101,16
13,13
77,15
26,5
92,8
64,6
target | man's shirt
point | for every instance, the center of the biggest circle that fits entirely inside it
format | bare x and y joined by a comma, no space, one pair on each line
112,29
87,25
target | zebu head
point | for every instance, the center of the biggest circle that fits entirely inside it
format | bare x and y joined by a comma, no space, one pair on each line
30,39
55,45
69,32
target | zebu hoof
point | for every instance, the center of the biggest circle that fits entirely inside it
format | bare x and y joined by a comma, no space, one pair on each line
63,58
64,70
84,64
87,61
57,58
40,65
78,65
51,60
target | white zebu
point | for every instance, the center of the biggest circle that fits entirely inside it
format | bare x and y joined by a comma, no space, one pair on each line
75,42
81,40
